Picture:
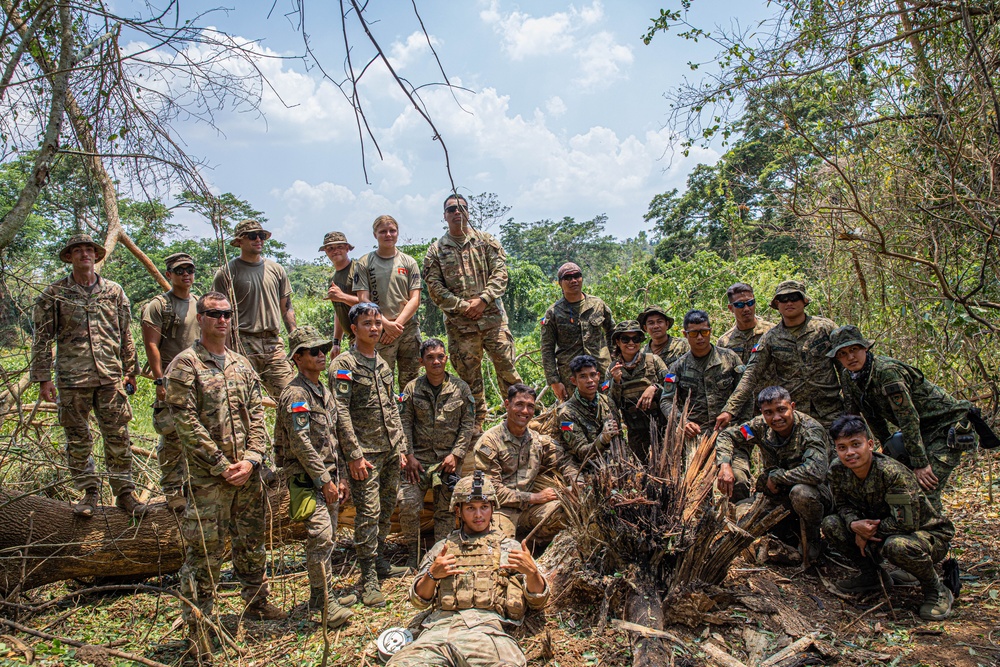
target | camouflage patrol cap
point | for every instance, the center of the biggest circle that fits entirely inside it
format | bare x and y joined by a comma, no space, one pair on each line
178,259
654,310
66,254
476,486
333,238
245,227
790,287
307,337
846,336
627,326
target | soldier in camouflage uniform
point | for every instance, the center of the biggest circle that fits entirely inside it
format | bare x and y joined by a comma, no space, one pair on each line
881,513
576,324
439,416
371,441
794,354
589,420
88,317
635,379
935,425
341,291
748,328
795,451
476,580
215,400
466,275
657,323
169,326
522,464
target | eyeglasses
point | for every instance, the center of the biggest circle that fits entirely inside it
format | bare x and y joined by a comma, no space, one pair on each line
453,208
638,338
744,304
218,314
256,236
182,271
573,276
788,298
701,333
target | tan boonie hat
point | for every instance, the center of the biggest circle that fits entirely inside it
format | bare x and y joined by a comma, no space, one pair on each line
568,267
245,227
307,337
333,238
654,310
628,326
790,287
81,239
846,336
476,486
178,259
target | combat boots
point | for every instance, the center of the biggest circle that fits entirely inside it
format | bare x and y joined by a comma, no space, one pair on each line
128,504
316,598
262,610
371,592
88,504
336,614
383,568
871,579
903,578
413,558
937,600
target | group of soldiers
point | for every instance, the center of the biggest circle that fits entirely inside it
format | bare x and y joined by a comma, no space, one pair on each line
795,390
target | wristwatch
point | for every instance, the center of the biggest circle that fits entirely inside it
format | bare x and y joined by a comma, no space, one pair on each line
336,342
158,382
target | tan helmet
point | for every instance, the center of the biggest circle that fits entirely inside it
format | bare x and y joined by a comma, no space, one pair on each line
476,486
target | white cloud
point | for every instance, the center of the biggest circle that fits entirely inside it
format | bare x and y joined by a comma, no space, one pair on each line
402,54
602,60
555,106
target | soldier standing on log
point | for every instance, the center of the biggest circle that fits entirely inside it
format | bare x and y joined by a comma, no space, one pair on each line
341,289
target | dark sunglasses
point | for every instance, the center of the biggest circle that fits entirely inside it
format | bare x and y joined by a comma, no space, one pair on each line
183,271
705,333
256,236
317,351
744,304
788,298
218,314
453,208
573,276
638,338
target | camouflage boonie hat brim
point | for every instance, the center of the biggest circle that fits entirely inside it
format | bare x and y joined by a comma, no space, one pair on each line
307,337
81,239
846,336
628,326
333,238
246,227
178,259
790,287
466,491
654,310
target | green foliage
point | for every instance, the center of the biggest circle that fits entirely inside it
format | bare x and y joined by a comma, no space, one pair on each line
548,244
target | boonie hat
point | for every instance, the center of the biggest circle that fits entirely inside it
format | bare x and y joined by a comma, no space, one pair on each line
654,310
627,326
308,337
846,336
333,238
81,239
790,287
245,227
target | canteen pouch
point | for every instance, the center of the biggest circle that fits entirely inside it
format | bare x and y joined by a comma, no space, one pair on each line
962,437
301,497
163,421
900,504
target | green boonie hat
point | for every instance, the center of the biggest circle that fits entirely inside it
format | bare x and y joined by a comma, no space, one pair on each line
307,337
790,287
246,227
333,238
654,310
81,239
846,336
178,259
627,326
476,486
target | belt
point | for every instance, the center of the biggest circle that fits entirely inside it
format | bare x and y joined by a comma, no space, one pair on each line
259,334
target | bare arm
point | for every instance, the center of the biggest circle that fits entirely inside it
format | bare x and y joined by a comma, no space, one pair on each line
288,313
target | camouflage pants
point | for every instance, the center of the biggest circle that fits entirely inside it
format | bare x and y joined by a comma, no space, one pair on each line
451,643
267,356
113,412
638,423
406,351
916,552
465,349
411,502
807,502
513,521
943,461
215,511
375,499
744,482
321,533
169,451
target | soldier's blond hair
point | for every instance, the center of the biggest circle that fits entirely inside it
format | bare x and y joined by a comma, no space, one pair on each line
384,220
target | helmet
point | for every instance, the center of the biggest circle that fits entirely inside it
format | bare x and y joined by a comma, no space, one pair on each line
476,486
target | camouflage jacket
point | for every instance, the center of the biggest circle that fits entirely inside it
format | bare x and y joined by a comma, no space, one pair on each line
514,463
454,274
566,334
707,390
437,427
671,352
581,423
650,370
305,432
366,406
889,493
218,413
91,331
900,394
742,342
797,362
801,458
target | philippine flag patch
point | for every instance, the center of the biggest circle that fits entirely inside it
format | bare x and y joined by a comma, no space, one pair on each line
605,385
345,374
669,378
747,433
301,406
566,426
755,349
399,398
545,321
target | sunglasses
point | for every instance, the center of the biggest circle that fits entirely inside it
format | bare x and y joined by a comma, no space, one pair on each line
638,338
183,271
218,314
453,208
704,333
317,351
788,298
256,236
744,304
573,276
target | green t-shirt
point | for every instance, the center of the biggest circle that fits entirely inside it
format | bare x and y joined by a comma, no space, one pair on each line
258,289
387,281
344,279
182,329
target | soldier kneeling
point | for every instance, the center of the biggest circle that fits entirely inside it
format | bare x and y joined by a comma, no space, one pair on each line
476,579
882,513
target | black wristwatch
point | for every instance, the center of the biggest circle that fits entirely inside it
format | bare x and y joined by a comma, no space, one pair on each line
336,342
158,382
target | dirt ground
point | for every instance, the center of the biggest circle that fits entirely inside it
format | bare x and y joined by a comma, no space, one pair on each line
766,607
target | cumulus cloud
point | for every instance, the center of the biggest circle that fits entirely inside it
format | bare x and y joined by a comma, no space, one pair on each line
555,106
602,60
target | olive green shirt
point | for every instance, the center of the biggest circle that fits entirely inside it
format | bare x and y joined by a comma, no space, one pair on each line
569,330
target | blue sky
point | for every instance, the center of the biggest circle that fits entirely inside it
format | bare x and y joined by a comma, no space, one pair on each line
564,115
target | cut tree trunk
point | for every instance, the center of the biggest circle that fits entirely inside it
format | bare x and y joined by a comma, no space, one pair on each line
644,607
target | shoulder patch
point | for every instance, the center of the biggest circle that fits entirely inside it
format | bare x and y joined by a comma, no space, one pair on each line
300,420
605,385
343,387
566,426
746,431
485,449
299,406
669,378
344,375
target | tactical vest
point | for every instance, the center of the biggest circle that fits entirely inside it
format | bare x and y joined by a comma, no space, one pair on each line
481,584
169,316
633,388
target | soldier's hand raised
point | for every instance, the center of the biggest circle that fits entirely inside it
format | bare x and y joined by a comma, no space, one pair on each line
521,561
616,372
444,565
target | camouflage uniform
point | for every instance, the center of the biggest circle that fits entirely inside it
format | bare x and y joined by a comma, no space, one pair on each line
580,425
707,386
434,427
516,466
456,273
674,349
219,417
369,426
742,342
94,353
648,369
569,330
797,464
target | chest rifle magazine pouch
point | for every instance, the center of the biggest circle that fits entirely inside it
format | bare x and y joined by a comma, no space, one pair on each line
901,506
